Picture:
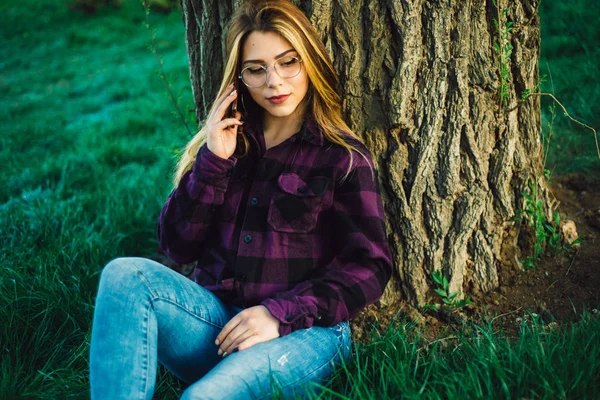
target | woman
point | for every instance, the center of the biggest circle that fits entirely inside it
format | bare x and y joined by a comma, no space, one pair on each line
284,220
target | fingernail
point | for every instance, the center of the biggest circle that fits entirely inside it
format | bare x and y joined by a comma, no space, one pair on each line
241,122
232,93
219,352
224,354
217,342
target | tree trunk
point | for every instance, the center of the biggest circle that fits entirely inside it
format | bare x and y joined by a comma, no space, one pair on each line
421,82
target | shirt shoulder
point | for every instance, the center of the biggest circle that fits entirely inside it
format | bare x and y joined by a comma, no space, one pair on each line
344,158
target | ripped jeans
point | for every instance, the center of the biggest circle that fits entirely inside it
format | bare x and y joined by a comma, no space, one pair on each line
146,313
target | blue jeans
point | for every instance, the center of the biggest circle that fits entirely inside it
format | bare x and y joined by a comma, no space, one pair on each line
146,313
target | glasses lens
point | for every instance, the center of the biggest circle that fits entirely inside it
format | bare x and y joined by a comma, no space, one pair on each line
254,75
288,67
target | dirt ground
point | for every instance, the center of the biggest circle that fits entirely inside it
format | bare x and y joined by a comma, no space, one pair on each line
557,290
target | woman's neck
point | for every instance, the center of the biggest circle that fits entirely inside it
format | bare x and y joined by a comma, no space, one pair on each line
278,129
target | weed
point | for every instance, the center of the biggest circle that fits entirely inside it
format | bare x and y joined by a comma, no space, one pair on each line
533,213
528,92
546,231
443,290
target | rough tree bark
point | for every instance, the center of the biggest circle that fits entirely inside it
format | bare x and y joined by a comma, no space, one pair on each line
421,84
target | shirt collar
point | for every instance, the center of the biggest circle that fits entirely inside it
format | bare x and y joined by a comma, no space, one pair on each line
310,131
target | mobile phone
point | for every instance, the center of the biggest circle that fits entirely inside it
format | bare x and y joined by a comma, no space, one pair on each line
233,108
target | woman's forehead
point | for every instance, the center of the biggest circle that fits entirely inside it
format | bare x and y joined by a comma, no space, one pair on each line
265,46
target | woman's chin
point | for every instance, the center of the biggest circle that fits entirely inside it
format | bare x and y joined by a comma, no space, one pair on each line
280,112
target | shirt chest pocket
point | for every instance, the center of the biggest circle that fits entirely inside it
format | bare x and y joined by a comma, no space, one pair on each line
296,204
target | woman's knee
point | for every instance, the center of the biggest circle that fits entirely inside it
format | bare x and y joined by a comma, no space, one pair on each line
118,267
122,271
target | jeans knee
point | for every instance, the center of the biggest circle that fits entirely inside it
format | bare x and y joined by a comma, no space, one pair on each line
119,271
118,266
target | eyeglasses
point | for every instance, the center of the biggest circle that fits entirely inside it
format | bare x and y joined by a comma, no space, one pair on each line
255,75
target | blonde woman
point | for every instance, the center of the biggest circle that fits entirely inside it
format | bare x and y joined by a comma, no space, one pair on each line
284,220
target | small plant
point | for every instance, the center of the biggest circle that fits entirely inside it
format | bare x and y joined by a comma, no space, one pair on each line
443,290
533,213
536,89
546,231
503,49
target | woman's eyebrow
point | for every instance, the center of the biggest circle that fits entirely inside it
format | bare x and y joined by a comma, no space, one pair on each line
262,61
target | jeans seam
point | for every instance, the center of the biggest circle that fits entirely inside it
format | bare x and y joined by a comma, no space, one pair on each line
141,275
146,355
186,310
156,296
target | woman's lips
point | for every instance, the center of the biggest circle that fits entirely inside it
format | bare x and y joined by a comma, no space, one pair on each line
278,99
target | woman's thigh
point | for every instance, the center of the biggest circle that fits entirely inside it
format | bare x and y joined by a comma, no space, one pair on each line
293,365
188,318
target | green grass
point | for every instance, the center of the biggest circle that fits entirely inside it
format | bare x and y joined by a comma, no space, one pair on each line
569,60
86,148
87,143
475,362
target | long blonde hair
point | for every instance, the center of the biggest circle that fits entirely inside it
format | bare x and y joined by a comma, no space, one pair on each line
322,98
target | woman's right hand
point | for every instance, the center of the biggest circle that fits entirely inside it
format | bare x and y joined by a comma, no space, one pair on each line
221,137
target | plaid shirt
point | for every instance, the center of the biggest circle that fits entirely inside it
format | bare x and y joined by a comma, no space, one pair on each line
279,228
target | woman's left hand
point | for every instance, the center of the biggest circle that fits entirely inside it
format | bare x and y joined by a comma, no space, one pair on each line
251,326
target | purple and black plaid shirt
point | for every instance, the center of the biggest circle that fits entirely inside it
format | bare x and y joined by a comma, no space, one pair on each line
279,228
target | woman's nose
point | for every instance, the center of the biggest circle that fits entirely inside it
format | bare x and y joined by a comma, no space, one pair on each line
273,78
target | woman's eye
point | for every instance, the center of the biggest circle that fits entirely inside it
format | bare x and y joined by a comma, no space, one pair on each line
288,63
255,70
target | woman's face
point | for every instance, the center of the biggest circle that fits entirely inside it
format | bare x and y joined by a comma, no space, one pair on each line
264,48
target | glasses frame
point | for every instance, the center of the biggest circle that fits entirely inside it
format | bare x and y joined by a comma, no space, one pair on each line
266,69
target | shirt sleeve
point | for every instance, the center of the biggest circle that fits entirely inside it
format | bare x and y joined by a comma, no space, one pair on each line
361,266
187,214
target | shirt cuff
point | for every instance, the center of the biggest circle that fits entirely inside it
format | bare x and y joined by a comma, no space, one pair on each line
290,316
212,169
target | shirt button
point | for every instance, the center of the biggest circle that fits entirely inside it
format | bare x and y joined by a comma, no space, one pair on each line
254,201
248,238
229,172
301,189
243,278
289,317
